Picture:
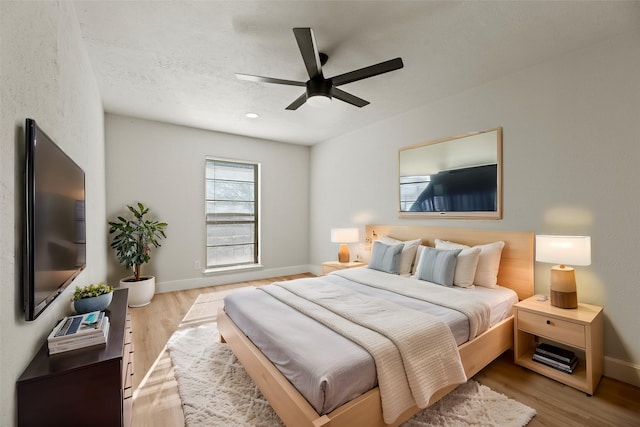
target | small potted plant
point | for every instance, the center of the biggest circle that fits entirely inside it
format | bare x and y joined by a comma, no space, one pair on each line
132,241
92,298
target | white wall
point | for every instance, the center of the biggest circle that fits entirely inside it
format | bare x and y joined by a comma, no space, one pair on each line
571,156
45,75
162,166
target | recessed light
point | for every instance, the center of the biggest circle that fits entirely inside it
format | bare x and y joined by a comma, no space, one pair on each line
252,115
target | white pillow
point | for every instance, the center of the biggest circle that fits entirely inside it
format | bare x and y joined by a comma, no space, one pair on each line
416,263
408,252
466,266
488,261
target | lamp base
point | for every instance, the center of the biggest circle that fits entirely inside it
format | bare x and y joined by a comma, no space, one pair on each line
564,299
343,253
563,287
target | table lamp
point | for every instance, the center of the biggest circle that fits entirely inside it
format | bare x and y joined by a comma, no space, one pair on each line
344,236
574,250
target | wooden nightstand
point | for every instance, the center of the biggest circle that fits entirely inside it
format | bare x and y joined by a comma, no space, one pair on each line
328,267
578,329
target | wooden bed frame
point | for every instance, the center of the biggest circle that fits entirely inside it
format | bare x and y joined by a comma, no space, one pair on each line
516,272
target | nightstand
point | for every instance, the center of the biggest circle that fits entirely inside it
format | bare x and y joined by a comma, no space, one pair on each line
578,329
328,267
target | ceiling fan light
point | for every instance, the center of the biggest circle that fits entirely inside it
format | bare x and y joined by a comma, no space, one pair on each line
319,100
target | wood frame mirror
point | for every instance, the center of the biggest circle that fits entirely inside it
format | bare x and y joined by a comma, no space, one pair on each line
458,177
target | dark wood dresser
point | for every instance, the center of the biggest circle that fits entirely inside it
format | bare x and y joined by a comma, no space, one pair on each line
85,387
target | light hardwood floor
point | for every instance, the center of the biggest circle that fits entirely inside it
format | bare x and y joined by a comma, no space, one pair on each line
156,403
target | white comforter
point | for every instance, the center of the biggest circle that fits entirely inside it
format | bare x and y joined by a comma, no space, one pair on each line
415,353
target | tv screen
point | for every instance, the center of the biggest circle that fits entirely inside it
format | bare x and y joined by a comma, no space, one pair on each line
472,189
55,230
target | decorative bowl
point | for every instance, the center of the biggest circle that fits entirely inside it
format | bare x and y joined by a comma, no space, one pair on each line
87,305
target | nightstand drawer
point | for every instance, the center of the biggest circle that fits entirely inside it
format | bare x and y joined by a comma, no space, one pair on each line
552,328
328,267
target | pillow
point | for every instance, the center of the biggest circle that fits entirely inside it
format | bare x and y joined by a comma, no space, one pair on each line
416,264
386,257
466,266
438,266
408,252
488,261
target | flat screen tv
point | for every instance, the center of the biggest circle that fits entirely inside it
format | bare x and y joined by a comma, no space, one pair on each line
460,190
55,229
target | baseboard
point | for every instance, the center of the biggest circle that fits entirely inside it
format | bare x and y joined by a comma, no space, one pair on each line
315,269
620,370
230,277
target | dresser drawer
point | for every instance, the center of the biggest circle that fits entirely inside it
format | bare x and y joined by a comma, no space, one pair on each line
552,328
127,390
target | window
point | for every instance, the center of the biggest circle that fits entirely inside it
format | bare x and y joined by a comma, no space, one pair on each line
410,189
232,190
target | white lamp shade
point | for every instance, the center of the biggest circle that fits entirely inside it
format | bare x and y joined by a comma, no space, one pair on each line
569,250
344,235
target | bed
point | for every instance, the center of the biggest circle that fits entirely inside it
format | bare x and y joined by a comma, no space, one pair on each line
515,273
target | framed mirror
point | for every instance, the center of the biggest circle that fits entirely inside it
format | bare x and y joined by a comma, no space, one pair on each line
456,177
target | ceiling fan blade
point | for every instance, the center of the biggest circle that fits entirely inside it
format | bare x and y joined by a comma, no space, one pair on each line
251,78
298,102
348,98
309,50
366,72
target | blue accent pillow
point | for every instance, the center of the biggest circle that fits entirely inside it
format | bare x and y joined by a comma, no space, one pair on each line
438,266
386,257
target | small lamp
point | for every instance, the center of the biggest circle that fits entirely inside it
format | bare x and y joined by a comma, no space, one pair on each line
574,250
344,236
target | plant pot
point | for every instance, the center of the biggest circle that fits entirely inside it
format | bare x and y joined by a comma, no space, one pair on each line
141,292
87,305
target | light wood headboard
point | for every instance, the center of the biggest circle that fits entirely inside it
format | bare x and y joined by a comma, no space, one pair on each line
516,265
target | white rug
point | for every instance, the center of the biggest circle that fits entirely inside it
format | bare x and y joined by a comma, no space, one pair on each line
216,391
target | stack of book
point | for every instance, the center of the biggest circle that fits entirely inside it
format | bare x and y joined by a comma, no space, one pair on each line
82,330
555,357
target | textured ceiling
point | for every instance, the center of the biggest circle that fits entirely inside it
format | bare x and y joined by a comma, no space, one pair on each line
174,61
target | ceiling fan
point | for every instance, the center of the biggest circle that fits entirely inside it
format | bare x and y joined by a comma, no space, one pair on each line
320,90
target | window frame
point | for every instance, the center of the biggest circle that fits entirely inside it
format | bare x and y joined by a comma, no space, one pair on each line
257,214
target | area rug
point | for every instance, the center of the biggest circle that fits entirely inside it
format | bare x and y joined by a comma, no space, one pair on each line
216,391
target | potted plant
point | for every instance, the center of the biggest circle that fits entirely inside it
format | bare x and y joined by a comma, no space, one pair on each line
92,298
132,241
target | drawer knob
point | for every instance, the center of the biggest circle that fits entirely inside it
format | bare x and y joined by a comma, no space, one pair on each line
548,322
